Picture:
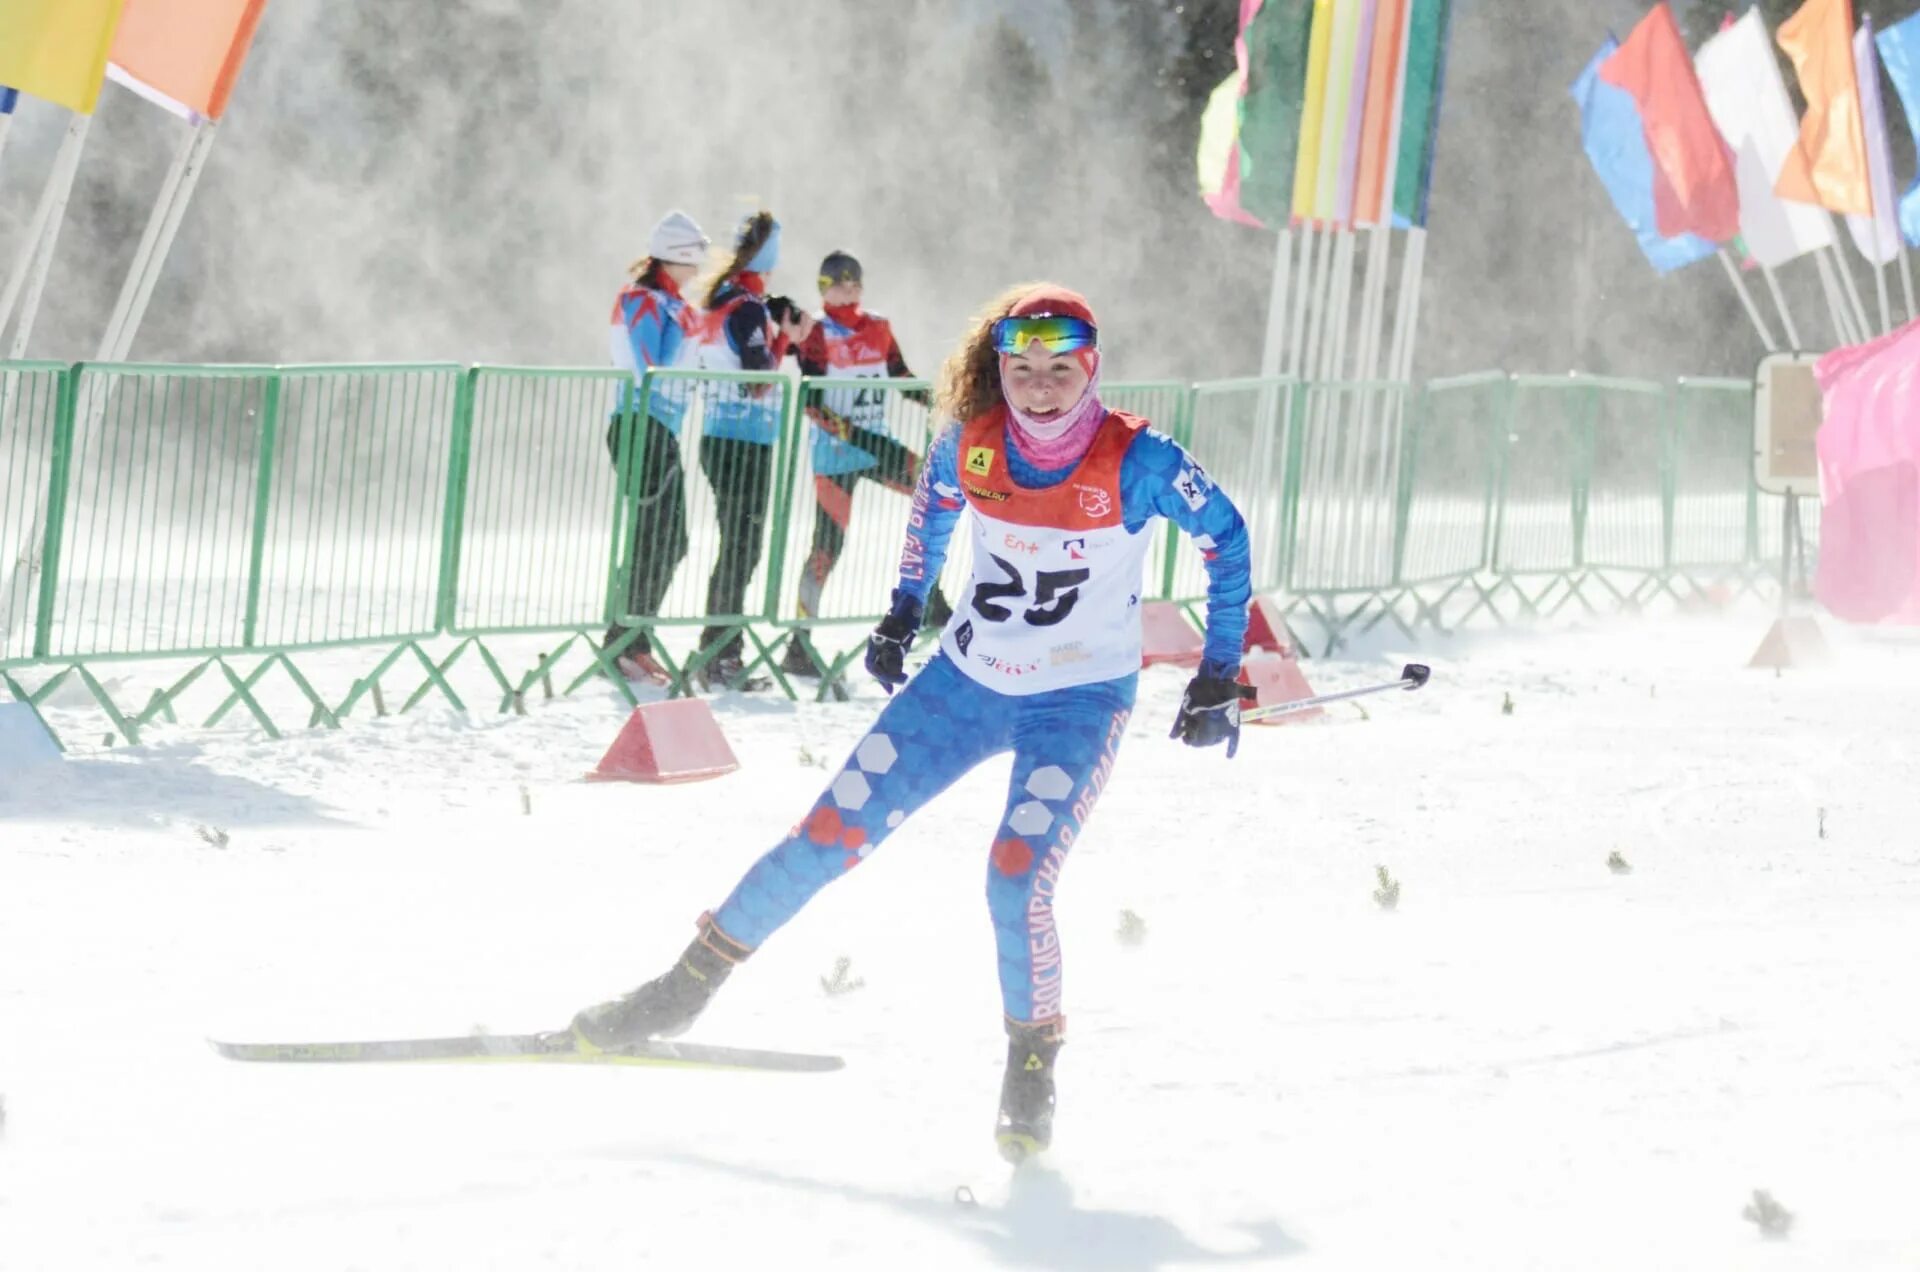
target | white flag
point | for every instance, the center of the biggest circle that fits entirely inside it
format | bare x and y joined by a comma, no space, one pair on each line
1877,236
1749,104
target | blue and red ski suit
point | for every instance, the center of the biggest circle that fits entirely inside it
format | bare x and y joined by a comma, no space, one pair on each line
950,717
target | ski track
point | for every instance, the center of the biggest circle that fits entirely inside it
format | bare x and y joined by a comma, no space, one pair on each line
1531,1063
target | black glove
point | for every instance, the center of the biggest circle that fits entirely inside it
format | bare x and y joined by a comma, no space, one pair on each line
887,647
1210,709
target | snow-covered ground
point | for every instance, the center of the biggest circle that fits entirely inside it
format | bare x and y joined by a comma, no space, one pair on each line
1533,1063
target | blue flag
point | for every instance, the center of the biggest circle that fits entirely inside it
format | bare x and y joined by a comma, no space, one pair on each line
1899,47
1616,144
9,98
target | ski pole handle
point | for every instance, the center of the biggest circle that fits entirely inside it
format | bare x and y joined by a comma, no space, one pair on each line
1412,676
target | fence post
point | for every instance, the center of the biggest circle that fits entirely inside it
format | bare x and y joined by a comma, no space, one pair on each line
1587,440
792,438
65,400
1415,418
1290,487
1496,514
454,506
262,496
1670,434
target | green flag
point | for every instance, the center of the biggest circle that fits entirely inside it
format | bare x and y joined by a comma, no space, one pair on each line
1275,37
1426,58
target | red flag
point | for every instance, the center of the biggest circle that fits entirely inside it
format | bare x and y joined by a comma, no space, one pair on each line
1694,190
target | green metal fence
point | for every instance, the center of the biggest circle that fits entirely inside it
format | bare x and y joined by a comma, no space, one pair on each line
211,514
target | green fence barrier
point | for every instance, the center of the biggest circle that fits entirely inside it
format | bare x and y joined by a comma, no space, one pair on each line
534,500
1348,487
350,526
34,399
1238,430
1449,470
164,481
206,513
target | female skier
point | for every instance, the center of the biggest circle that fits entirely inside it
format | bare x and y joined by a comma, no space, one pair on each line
741,330
647,328
1041,660
850,440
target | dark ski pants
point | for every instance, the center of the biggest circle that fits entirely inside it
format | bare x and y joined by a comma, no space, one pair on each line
659,493
741,473
941,725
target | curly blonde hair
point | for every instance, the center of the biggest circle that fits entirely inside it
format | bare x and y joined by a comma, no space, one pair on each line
970,378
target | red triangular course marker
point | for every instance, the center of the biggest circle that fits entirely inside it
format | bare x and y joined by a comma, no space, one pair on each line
1267,628
673,741
1167,637
1792,642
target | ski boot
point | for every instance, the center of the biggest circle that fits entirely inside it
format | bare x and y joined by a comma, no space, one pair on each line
1025,1127
796,661
665,1006
728,671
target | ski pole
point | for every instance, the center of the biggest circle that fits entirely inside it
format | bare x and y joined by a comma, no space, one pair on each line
1412,676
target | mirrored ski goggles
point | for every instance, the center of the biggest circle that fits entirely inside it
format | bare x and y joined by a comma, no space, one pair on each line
1055,334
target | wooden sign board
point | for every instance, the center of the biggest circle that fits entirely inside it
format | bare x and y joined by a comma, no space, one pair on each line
1786,415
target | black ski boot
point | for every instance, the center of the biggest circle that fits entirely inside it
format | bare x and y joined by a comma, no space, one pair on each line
1026,1095
796,661
666,1005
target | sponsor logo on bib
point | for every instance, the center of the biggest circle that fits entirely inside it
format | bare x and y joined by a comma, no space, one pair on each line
980,460
963,637
991,496
1094,501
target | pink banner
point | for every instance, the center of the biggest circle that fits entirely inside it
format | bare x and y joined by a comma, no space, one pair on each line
1869,449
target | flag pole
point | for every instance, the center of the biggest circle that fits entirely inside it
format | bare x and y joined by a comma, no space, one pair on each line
1849,292
162,227
1836,303
1302,291
35,255
1880,292
1270,357
1780,303
1746,300
1906,281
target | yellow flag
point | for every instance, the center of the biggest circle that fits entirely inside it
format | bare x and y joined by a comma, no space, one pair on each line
1306,165
56,50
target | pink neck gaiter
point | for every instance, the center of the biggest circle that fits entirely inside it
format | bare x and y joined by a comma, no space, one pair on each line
1062,440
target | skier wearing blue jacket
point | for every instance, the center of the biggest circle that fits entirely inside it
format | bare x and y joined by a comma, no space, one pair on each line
741,328
648,328
1042,659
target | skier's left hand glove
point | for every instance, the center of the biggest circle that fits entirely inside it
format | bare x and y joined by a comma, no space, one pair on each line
1210,709
887,647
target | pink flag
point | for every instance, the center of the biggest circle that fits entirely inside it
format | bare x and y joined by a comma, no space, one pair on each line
1869,451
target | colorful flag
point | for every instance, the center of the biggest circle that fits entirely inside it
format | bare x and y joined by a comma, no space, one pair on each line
1869,451
1273,46
56,50
1384,100
185,54
1313,110
1333,122
1218,158
1899,47
1696,192
1877,236
1356,114
1748,100
1828,166
1425,76
1615,140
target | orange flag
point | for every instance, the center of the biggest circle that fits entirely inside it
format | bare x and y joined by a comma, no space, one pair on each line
185,54
1828,165
1383,104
